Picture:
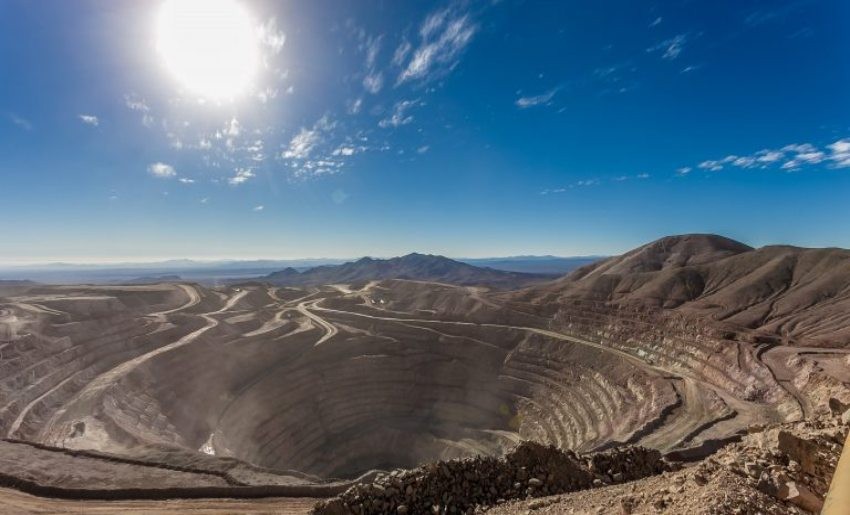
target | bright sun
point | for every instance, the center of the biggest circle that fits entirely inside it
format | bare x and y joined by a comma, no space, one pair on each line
209,45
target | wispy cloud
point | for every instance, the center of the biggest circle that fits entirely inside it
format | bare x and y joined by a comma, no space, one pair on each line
442,38
536,100
162,170
840,153
670,48
586,183
89,119
354,106
258,208
399,115
23,123
241,175
347,150
373,47
791,157
401,52
270,36
317,150
762,16
373,82
656,22
186,180
374,79
302,144
137,104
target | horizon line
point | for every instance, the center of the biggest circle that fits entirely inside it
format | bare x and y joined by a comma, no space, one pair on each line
216,260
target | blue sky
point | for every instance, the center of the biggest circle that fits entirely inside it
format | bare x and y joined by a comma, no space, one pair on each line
460,128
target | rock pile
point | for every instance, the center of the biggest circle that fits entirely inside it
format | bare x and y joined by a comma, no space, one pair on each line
792,462
459,486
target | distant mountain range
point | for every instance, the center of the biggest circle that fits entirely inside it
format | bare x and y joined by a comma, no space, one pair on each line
214,272
535,264
421,267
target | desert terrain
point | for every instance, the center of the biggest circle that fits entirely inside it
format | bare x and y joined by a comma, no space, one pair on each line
272,395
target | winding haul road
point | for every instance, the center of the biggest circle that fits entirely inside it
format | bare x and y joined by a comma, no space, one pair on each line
56,429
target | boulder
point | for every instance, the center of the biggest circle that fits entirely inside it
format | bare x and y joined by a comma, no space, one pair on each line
800,496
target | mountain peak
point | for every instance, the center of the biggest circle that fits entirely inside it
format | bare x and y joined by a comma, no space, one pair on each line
669,252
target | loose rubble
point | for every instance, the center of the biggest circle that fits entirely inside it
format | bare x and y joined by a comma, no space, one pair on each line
778,469
460,486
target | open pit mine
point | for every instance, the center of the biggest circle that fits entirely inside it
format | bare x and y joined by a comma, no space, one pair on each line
691,374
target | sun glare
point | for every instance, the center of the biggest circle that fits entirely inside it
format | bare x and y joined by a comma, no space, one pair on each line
210,46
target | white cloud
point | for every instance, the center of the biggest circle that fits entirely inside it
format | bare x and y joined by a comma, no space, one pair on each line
555,190
267,95
545,98
790,157
401,52
186,180
162,170
840,153
89,119
205,200
423,149
23,123
656,22
271,37
242,175
769,156
670,48
302,144
344,151
373,47
373,82
313,151
233,128
685,170
258,208
443,36
808,157
174,141
588,182
134,103
354,106
642,176
399,115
